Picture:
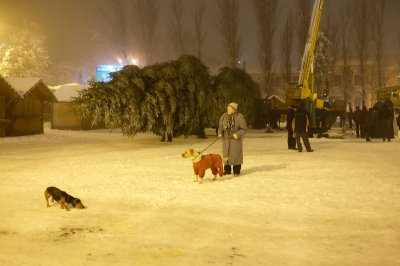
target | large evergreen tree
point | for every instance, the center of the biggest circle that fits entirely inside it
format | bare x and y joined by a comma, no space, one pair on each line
170,99
235,85
123,102
196,103
184,93
133,100
161,81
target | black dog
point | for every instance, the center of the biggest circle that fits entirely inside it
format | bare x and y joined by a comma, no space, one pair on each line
62,198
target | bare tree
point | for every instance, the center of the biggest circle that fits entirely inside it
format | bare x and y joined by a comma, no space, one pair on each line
361,24
115,35
266,12
228,23
303,16
198,24
398,52
398,55
331,30
121,29
176,26
286,49
322,64
147,16
377,9
62,74
345,54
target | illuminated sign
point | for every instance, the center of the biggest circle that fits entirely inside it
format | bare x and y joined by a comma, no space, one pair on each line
103,72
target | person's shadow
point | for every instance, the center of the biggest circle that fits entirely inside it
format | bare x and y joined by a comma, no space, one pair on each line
264,168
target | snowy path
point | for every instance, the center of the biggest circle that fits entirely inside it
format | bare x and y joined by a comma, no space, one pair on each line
337,206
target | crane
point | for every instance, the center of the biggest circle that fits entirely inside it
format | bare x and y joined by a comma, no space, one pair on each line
304,90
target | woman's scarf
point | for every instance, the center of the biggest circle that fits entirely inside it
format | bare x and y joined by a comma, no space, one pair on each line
231,122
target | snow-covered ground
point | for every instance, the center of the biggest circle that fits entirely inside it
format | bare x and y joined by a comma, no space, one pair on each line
337,206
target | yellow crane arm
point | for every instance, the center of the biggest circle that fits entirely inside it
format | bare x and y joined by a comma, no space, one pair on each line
304,82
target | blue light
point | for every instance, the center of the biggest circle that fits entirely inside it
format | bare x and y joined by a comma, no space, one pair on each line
103,72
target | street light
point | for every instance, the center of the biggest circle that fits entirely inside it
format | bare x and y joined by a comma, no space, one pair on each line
243,63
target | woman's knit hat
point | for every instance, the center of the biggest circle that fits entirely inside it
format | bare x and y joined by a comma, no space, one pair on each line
233,105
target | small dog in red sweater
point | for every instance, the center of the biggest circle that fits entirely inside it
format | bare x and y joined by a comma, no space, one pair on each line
203,162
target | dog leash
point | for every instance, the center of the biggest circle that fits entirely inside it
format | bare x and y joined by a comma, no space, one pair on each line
209,145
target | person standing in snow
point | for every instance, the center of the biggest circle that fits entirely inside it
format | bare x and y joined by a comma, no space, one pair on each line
385,117
232,128
300,126
398,120
364,112
370,121
357,120
350,117
290,116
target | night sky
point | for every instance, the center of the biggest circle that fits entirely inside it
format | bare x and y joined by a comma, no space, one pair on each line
70,26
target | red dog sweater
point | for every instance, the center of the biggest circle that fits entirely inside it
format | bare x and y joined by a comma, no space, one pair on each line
209,161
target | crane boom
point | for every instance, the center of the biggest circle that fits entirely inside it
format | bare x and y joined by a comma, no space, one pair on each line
303,91
306,64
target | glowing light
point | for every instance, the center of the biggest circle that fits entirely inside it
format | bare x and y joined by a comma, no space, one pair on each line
134,61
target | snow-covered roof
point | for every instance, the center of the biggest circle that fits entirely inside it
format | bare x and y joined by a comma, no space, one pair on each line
6,88
54,88
276,97
66,92
22,85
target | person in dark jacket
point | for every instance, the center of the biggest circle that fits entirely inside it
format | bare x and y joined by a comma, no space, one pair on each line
370,121
350,117
300,126
289,119
385,117
232,127
357,120
364,112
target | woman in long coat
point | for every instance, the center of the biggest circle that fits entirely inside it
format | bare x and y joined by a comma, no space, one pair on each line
232,127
